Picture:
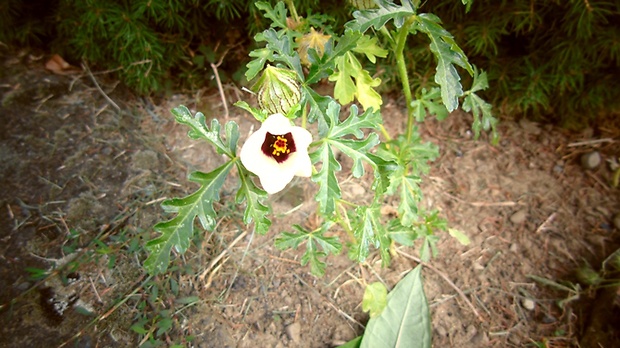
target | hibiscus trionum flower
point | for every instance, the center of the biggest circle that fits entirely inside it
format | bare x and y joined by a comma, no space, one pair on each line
277,152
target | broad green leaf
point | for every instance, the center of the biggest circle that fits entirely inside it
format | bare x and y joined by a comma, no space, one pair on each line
368,45
254,197
377,18
375,299
447,53
199,130
177,232
405,321
318,246
354,343
459,236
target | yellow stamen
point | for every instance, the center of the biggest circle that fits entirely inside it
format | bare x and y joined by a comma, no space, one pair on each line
280,146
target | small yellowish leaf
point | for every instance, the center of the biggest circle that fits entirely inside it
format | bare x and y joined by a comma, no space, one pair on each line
459,236
375,299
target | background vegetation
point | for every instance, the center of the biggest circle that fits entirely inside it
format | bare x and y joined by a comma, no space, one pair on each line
546,59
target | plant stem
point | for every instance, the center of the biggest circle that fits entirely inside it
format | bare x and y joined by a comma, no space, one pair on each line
401,40
291,8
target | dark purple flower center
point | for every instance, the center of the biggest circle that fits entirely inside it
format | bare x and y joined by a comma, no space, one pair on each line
278,147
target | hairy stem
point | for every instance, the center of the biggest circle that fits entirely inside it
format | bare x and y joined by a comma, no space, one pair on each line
401,40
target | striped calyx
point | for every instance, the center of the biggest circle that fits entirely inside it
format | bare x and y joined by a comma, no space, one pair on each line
278,90
363,4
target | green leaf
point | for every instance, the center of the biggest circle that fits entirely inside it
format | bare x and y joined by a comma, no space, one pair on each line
354,124
352,81
382,171
261,55
410,196
199,130
401,234
480,109
368,45
277,14
447,53
177,232
369,230
259,114
407,154
314,240
329,190
377,18
345,43
459,236
354,343
358,151
429,102
254,197
332,132
406,321
281,44
375,299
316,102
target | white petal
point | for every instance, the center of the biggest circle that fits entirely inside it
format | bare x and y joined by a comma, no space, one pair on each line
275,176
277,124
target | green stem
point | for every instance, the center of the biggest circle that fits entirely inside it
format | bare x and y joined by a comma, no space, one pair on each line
291,8
401,40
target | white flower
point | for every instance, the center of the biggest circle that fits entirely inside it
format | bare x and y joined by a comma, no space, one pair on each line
277,152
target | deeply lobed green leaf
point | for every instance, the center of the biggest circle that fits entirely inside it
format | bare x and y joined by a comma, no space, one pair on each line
177,232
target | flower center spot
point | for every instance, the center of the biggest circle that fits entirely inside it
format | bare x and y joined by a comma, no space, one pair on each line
278,146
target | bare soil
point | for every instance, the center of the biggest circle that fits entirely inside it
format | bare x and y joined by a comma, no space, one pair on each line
81,184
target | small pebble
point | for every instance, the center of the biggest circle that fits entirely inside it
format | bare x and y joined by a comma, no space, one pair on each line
293,332
518,217
528,304
590,160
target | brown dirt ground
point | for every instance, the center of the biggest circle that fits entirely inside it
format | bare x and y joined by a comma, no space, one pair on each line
82,183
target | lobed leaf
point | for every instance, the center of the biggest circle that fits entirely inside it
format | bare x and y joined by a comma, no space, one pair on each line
199,130
177,232
329,190
318,246
377,18
375,299
368,229
447,53
255,210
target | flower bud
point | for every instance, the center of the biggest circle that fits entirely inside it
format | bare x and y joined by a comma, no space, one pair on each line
278,90
363,4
